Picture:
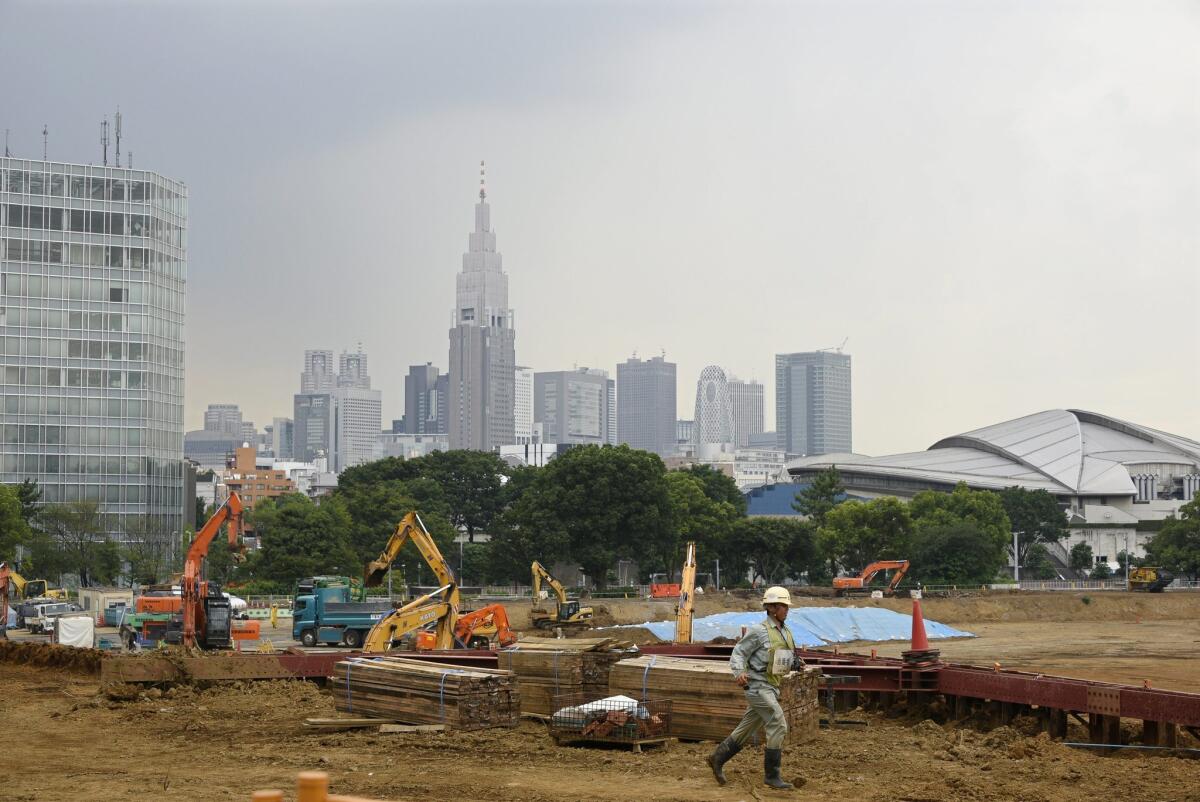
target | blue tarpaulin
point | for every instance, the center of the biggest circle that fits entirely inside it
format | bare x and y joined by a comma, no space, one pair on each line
814,626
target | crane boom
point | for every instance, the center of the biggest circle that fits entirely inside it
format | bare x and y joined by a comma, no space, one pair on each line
411,527
193,590
687,589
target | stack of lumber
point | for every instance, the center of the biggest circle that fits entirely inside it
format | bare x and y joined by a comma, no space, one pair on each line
706,704
549,667
416,692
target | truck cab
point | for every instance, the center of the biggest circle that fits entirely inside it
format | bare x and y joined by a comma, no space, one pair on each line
325,616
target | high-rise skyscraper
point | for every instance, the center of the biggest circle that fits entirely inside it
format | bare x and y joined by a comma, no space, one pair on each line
319,373
746,404
92,278
812,402
425,400
523,405
223,418
713,428
282,436
352,369
339,417
646,404
482,343
575,406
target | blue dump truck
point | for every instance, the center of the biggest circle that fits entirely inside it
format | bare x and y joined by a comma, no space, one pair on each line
322,614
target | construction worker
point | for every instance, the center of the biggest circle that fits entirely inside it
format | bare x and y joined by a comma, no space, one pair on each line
759,661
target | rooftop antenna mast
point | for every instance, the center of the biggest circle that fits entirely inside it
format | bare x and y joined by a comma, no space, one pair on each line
104,139
6,153
482,181
45,142
118,127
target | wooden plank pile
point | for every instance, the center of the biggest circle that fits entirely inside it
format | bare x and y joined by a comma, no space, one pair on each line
549,667
416,692
706,704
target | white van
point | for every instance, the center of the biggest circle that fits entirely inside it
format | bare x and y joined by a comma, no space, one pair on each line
43,616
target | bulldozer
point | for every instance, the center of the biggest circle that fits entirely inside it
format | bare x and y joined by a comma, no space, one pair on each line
1149,579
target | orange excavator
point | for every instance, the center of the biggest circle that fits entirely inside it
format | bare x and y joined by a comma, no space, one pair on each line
471,628
849,585
207,614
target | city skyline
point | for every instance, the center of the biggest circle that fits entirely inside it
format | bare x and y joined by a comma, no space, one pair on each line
964,227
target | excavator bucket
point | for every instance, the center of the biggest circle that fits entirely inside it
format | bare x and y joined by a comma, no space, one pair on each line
375,573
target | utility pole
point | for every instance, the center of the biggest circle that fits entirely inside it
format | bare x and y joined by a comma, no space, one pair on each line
1016,558
718,574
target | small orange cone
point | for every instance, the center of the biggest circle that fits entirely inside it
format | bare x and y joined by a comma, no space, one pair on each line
920,643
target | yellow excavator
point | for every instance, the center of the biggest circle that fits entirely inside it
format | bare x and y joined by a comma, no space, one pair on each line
566,613
1150,579
35,588
441,607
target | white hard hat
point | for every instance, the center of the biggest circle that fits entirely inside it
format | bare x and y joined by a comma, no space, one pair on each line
777,595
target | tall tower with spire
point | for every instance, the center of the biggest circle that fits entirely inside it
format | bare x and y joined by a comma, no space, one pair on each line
482,342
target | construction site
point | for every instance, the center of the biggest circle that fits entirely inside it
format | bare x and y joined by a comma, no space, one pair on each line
1057,695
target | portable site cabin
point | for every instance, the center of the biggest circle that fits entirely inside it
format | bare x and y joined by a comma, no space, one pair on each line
94,600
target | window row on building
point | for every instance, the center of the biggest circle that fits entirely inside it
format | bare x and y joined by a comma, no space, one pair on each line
92,187
82,254
158,495
89,221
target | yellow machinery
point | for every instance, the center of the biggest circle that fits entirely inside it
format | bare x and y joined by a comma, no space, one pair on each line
1148,579
687,590
441,606
432,608
35,588
566,612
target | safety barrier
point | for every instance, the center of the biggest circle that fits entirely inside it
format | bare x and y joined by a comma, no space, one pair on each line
311,786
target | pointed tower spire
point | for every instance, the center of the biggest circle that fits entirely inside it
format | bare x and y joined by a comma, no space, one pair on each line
482,181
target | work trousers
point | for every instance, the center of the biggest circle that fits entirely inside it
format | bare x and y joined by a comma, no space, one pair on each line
764,713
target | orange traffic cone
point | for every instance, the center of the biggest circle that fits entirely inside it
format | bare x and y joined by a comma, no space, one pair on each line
920,643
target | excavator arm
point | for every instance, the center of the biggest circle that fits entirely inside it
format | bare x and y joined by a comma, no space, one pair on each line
190,585
416,614
410,528
687,588
540,574
860,582
493,614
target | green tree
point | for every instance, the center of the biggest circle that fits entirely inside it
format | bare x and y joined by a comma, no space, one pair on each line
1035,515
603,503
1176,546
376,508
472,485
856,533
772,549
14,528
200,510
821,496
1101,571
149,549
953,554
30,495
980,507
698,517
1082,558
75,532
300,538
718,486
1037,563
388,469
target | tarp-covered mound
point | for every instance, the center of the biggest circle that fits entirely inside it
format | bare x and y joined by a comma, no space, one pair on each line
814,626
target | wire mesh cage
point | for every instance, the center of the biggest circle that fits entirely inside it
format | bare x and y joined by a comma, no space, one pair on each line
617,719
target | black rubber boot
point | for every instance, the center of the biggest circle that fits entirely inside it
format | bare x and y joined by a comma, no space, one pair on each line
720,756
771,760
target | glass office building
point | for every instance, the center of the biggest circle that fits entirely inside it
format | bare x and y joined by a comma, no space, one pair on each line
93,267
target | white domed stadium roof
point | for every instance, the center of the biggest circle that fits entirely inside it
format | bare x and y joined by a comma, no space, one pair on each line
1064,451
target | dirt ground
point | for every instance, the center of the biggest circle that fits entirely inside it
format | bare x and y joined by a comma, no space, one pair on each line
223,743
66,741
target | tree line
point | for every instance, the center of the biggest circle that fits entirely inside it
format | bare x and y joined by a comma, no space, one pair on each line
593,506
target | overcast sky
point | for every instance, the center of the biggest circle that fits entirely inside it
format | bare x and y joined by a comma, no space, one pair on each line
997,203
